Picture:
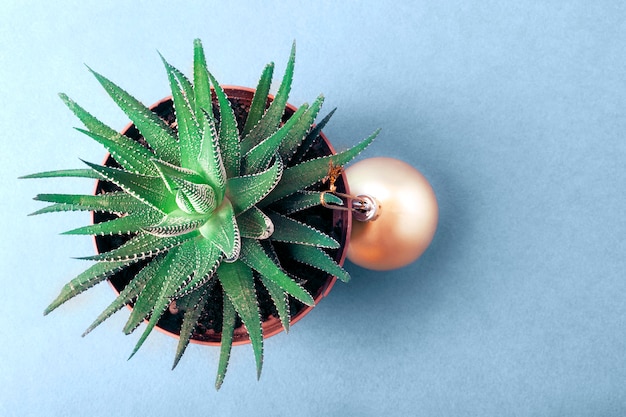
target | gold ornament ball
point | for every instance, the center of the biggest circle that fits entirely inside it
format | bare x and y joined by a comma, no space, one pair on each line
407,218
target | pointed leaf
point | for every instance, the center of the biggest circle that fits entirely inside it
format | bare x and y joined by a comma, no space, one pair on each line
253,223
279,297
272,117
303,200
200,197
259,100
208,258
129,154
64,173
110,202
90,277
222,230
155,131
311,137
292,142
291,231
186,86
210,158
93,124
175,224
148,295
132,223
256,258
149,190
189,135
246,191
129,293
142,309
228,327
308,173
142,246
171,276
229,133
192,304
258,158
319,259
168,172
238,284
202,86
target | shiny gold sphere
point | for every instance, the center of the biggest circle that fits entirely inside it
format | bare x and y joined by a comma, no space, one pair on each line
407,219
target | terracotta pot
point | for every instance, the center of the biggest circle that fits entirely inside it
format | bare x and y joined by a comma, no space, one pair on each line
335,223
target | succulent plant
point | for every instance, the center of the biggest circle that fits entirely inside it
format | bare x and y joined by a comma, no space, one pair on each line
201,202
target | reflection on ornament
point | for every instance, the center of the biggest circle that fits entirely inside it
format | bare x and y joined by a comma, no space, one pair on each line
395,213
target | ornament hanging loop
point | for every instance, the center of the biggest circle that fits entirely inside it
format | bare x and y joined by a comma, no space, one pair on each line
364,207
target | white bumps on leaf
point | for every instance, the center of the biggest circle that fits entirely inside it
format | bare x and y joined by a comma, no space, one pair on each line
195,198
174,226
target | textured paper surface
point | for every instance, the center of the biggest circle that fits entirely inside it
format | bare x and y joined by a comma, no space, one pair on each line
514,111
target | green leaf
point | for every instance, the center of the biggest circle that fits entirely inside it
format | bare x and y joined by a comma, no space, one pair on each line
155,131
186,86
183,202
221,229
150,190
111,202
310,139
228,328
253,254
142,246
247,190
176,223
202,87
319,259
129,154
132,223
90,277
228,134
210,158
260,156
176,270
279,297
291,231
144,305
238,284
168,172
208,258
64,173
93,124
259,100
272,117
290,144
253,223
198,198
308,173
303,200
148,296
129,293
192,304
189,135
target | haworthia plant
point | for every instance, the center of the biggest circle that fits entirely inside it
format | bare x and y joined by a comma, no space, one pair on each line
202,204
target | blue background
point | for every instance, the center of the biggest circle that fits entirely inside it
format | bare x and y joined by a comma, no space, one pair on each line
514,111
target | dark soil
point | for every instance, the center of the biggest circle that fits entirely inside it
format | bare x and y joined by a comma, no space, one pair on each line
314,281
